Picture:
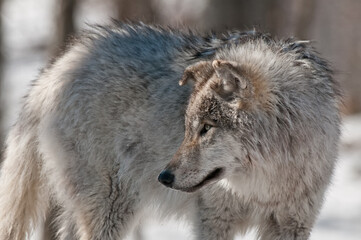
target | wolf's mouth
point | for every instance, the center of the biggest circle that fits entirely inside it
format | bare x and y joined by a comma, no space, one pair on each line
212,176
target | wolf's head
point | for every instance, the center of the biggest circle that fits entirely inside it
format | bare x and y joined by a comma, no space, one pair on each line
244,105
216,122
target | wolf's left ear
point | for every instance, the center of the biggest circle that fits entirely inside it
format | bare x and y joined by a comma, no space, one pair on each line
229,79
197,71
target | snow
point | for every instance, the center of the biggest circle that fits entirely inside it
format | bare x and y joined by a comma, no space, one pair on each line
27,26
341,214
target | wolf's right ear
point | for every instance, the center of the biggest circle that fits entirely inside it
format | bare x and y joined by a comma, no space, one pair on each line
197,71
229,78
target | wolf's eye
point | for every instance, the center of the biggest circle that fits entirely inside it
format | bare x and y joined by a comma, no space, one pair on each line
205,129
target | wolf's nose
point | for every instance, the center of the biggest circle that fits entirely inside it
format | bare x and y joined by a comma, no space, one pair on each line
166,178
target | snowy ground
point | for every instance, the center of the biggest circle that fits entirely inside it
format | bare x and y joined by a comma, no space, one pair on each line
341,215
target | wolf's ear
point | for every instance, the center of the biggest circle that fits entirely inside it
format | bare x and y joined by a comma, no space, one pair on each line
229,79
197,71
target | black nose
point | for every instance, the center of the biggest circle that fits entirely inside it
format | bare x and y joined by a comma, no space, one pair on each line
166,178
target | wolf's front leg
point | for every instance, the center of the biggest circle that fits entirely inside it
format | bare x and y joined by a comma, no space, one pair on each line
211,226
218,216
103,211
109,217
289,228
211,231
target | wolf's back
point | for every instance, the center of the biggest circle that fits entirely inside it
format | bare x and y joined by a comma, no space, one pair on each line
132,60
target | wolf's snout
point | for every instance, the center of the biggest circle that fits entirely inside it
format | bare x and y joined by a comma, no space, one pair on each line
166,178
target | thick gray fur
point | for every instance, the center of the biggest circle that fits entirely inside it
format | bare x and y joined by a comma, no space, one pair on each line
104,119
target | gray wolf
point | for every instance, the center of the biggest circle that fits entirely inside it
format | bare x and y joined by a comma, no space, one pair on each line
250,140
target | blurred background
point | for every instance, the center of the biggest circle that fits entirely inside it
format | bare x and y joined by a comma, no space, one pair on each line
34,31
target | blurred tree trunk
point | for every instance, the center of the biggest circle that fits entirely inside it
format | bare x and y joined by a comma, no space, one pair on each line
239,14
304,17
136,10
2,137
353,56
64,24
279,17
